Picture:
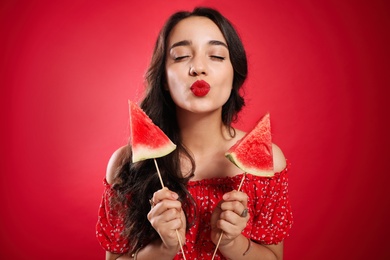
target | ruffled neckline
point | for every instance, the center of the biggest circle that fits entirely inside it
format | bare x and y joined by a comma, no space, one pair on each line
224,180
231,179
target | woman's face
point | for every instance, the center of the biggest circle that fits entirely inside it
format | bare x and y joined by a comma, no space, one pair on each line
197,52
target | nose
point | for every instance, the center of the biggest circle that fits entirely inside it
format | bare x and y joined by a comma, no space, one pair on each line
197,67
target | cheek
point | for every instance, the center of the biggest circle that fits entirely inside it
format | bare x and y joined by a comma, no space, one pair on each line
227,74
173,86
227,86
228,79
172,78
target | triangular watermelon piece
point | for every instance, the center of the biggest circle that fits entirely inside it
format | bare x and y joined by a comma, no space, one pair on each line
147,140
253,153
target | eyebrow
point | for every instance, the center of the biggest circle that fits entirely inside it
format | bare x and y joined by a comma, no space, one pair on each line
188,43
215,42
180,43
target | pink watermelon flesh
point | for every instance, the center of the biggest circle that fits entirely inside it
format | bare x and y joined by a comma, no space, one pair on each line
253,153
147,140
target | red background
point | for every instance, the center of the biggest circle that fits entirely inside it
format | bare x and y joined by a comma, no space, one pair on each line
321,68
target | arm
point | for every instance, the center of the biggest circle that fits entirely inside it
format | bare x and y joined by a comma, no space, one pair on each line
110,224
240,248
112,256
154,250
166,216
227,218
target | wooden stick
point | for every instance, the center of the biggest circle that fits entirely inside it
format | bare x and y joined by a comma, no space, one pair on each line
220,237
177,232
158,172
242,181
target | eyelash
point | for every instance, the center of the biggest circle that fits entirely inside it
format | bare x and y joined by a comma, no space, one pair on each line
180,58
217,57
212,57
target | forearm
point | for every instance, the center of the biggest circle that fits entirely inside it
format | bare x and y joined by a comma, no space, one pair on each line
155,250
242,248
111,256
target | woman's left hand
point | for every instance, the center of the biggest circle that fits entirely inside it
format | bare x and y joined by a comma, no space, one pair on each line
229,216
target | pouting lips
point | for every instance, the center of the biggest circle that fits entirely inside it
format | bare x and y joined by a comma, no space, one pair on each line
200,88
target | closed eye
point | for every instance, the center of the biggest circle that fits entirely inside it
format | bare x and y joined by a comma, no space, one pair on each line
215,57
181,58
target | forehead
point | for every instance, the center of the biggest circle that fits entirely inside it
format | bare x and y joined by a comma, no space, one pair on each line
195,29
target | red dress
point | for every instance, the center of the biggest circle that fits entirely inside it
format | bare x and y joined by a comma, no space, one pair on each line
268,205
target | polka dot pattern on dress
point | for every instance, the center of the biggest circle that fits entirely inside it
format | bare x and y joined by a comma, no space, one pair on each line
268,205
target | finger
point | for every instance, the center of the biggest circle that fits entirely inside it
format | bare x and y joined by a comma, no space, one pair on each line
235,206
229,228
164,194
174,223
166,219
234,218
166,205
169,215
236,195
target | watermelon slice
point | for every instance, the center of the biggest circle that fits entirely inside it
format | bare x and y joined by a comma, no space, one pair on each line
147,140
253,153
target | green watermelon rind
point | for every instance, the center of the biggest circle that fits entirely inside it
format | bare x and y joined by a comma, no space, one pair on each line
143,152
252,170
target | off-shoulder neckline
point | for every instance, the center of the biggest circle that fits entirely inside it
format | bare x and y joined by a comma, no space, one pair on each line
233,179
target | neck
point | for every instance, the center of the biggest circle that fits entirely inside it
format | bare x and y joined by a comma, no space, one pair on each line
200,132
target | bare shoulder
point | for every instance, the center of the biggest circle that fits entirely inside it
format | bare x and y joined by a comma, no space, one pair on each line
115,161
279,159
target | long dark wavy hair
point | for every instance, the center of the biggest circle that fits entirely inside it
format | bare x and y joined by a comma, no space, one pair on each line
135,183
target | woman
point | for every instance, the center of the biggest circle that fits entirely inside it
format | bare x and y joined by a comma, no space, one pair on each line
197,69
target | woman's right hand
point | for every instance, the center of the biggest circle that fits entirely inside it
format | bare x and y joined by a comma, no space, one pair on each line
167,218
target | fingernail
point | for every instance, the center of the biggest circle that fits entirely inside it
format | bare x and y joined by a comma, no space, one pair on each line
225,197
174,195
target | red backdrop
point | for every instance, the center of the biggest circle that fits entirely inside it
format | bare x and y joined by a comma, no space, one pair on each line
319,67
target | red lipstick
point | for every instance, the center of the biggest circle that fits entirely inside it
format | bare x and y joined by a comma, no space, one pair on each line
200,88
